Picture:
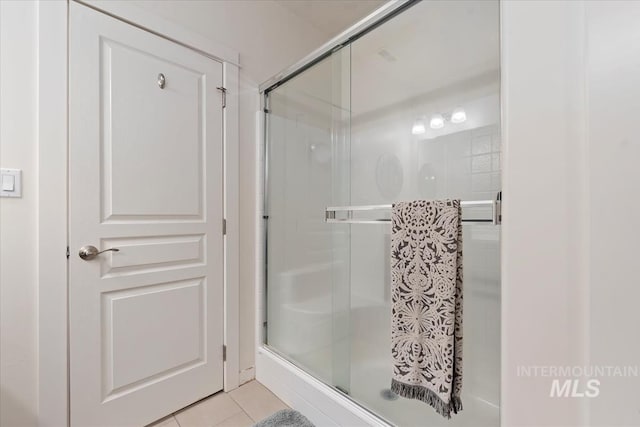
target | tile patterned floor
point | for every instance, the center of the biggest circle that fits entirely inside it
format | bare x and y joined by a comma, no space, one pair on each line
242,407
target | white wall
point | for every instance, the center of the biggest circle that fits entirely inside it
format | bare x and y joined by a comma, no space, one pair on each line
613,153
544,262
570,268
18,217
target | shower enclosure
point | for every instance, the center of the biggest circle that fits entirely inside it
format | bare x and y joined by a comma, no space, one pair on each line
407,109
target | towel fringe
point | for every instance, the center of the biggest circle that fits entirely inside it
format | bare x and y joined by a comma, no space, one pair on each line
423,394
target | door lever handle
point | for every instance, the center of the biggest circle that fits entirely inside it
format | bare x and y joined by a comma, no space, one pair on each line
89,252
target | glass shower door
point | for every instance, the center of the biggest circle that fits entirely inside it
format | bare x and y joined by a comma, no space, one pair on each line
410,110
308,305
425,102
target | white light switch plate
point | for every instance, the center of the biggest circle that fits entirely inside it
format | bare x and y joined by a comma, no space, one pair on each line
10,183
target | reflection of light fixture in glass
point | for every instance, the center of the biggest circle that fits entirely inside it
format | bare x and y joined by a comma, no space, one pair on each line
437,121
458,116
418,127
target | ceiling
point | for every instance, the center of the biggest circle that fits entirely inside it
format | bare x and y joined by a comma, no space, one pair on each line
331,17
432,50
437,52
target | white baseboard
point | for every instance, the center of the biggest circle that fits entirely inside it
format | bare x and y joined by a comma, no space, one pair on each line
323,405
247,375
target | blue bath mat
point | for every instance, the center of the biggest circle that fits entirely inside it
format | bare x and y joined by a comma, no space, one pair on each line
285,418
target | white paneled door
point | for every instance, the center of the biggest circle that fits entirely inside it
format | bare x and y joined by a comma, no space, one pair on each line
146,179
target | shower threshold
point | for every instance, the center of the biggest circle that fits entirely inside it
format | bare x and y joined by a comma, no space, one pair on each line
321,403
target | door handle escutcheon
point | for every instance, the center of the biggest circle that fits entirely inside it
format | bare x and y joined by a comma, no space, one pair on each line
89,252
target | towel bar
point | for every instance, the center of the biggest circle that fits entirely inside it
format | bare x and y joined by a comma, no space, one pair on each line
330,212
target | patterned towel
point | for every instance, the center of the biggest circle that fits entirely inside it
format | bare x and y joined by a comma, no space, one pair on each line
426,300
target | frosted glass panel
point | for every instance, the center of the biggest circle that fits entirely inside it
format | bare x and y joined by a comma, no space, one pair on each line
409,77
410,110
308,271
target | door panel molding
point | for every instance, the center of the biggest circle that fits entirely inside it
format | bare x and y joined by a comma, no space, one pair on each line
153,253
118,379
53,199
141,348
